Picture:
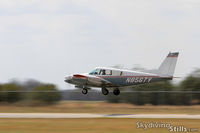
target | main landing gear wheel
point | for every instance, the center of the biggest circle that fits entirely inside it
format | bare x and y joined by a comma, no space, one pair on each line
84,91
105,91
116,92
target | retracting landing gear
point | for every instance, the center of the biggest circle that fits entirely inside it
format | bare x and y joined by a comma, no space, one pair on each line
85,91
116,92
105,91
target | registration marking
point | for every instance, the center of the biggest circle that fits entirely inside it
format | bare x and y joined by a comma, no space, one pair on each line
138,80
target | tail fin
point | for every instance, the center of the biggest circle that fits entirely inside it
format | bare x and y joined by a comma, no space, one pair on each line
167,68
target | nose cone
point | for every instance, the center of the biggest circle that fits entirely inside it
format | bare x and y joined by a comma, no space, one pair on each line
68,79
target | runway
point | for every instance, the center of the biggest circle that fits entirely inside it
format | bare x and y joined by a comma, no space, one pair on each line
85,115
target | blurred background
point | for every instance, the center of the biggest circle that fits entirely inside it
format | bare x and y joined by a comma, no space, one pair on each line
42,41
33,92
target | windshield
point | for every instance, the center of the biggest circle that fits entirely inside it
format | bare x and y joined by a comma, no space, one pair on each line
94,72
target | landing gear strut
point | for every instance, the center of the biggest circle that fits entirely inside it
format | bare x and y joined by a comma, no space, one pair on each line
105,91
116,92
85,91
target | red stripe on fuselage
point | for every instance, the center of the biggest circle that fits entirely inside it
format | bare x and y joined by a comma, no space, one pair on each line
79,76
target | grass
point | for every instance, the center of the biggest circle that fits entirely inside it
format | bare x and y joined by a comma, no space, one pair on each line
101,125
99,107
87,125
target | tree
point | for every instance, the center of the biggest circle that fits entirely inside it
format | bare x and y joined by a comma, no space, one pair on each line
45,94
140,98
191,83
8,93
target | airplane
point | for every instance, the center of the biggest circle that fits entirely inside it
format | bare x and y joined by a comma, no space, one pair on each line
107,78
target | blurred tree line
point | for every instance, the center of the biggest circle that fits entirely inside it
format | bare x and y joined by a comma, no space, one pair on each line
190,83
30,92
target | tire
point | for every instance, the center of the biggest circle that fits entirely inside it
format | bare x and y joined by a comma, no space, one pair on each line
105,91
116,92
84,91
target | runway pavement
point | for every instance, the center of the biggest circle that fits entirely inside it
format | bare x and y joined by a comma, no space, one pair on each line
85,115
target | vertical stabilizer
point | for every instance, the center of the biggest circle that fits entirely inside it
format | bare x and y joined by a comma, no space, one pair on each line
167,68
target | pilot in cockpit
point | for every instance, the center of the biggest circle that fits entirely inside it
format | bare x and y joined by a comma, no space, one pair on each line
103,72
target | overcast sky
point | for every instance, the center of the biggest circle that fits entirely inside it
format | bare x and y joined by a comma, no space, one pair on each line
49,39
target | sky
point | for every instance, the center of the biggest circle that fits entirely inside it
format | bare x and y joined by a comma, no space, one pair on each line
49,39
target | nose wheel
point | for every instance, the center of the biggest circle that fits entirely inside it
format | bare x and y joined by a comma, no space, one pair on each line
116,92
84,91
105,91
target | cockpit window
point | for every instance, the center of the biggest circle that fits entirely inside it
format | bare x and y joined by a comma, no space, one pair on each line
101,72
94,72
105,72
